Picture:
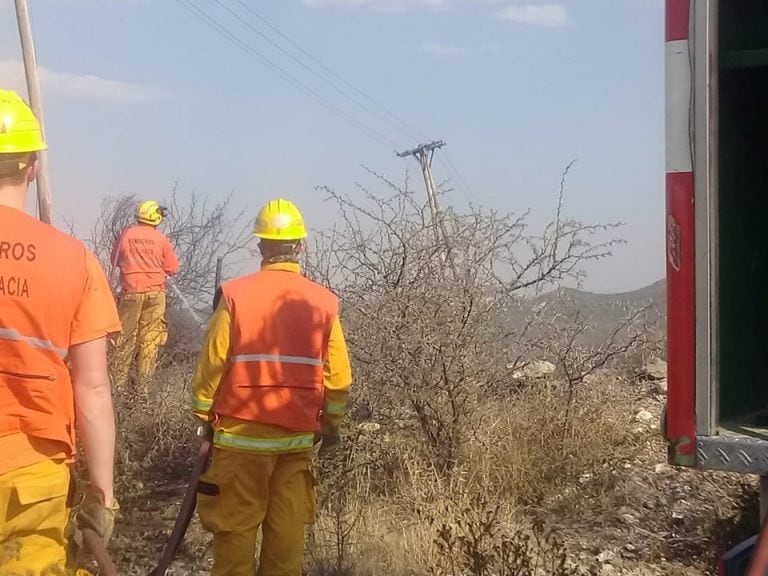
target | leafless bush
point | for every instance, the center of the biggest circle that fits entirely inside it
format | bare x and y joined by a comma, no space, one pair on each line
429,339
345,477
156,435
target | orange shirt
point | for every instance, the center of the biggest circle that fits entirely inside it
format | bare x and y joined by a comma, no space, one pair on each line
53,295
145,257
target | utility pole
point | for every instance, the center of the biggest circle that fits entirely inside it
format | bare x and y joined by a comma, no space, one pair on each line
423,155
35,101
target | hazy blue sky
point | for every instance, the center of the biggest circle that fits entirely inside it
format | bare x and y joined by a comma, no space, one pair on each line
139,93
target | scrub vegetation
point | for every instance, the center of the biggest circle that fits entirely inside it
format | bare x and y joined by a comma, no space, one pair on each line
502,421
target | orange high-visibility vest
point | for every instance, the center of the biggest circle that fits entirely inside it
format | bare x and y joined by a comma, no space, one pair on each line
280,326
36,396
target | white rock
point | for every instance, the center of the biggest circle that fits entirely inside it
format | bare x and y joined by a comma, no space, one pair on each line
643,416
655,369
370,427
662,469
586,477
606,556
534,370
630,519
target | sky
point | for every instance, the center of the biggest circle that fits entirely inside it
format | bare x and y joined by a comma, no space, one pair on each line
139,94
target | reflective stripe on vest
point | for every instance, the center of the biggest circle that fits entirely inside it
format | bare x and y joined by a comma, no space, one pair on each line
229,440
14,335
276,358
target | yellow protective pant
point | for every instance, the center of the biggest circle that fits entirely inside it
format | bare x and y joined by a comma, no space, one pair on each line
242,491
34,516
144,331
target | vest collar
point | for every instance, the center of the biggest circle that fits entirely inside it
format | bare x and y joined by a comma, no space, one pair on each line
283,267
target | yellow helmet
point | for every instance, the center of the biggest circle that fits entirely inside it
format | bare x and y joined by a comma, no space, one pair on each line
150,212
20,131
279,220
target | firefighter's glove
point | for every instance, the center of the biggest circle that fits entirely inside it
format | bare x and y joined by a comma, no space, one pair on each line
330,444
93,515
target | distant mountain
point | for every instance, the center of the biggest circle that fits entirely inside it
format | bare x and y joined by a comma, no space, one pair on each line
607,305
605,312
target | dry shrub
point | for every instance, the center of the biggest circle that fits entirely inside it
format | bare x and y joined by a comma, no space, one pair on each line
434,348
156,434
524,450
385,508
386,541
476,543
431,343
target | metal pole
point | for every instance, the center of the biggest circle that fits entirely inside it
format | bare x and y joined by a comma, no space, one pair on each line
35,101
217,279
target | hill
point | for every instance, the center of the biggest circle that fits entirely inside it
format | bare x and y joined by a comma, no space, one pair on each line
604,312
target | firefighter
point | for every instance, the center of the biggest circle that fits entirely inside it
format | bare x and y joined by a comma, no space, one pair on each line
272,379
56,312
145,258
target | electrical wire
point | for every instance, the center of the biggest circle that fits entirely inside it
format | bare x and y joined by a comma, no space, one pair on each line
386,115
246,47
412,131
302,63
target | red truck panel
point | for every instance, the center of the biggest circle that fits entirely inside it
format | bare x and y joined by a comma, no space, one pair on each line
681,319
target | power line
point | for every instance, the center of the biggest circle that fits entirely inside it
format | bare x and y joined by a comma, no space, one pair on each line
243,45
392,118
299,61
402,123
458,174
386,115
424,153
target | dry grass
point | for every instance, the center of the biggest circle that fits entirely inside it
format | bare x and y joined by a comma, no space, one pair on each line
525,449
385,508
156,434
520,454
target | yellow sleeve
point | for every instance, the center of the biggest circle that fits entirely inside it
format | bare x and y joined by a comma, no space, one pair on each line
212,362
337,378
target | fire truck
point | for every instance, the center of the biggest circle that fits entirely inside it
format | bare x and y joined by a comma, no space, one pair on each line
716,79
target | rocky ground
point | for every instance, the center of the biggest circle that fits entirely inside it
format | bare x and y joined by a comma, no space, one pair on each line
646,519
663,520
